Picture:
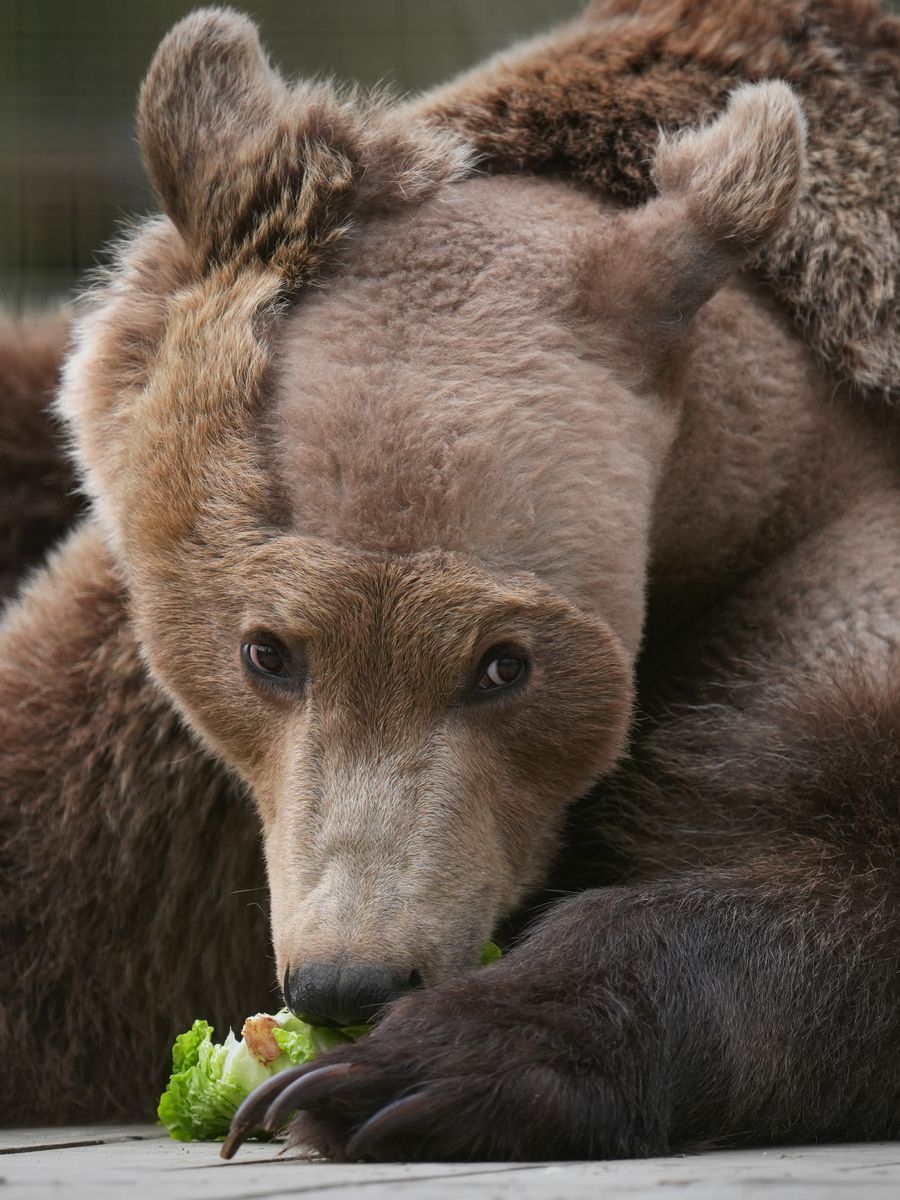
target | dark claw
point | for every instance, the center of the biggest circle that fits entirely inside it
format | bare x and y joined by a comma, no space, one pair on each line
394,1116
249,1116
303,1091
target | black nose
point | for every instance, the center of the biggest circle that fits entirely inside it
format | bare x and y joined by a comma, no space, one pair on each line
335,994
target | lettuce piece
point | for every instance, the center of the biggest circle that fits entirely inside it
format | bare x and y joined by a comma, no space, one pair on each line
186,1050
210,1081
303,1044
490,953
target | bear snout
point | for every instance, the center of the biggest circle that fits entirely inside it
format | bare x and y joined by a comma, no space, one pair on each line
336,994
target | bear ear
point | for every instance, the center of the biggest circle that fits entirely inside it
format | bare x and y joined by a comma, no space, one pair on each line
251,169
208,94
724,189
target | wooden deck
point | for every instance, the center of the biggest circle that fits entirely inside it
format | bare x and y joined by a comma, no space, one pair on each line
140,1163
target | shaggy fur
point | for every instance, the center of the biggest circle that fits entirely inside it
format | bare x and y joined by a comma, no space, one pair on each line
588,101
131,875
38,497
512,414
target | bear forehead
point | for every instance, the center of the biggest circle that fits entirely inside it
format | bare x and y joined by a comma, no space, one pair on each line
398,382
325,592
408,272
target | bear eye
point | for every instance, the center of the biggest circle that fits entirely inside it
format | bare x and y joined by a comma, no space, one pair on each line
501,671
266,658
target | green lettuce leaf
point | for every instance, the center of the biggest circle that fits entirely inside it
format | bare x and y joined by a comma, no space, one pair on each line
209,1081
490,954
186,1050
208,1084
303,1044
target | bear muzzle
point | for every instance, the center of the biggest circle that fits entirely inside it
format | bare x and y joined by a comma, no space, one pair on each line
336,994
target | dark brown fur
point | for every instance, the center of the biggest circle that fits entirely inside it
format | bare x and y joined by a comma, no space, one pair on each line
107,927
590,104
735,982
102,898
38,489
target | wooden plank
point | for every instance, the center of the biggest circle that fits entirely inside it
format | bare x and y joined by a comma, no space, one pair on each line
148,1167
154,1168
13,1141
814,1173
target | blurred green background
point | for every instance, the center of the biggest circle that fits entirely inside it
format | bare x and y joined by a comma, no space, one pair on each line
69,73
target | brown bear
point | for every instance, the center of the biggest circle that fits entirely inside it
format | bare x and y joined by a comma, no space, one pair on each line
493,542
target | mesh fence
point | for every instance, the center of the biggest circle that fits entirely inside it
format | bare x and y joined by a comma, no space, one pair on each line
70,174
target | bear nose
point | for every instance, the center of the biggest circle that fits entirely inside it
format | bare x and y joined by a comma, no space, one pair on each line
336,994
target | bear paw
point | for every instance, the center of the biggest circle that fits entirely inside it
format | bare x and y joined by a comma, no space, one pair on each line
465,1072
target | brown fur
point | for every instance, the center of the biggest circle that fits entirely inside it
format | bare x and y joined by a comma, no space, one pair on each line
38,497
99,860
512,413
588,102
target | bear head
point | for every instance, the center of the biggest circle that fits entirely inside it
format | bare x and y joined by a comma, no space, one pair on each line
375,439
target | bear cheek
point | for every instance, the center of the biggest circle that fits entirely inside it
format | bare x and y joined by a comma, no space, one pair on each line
559,751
